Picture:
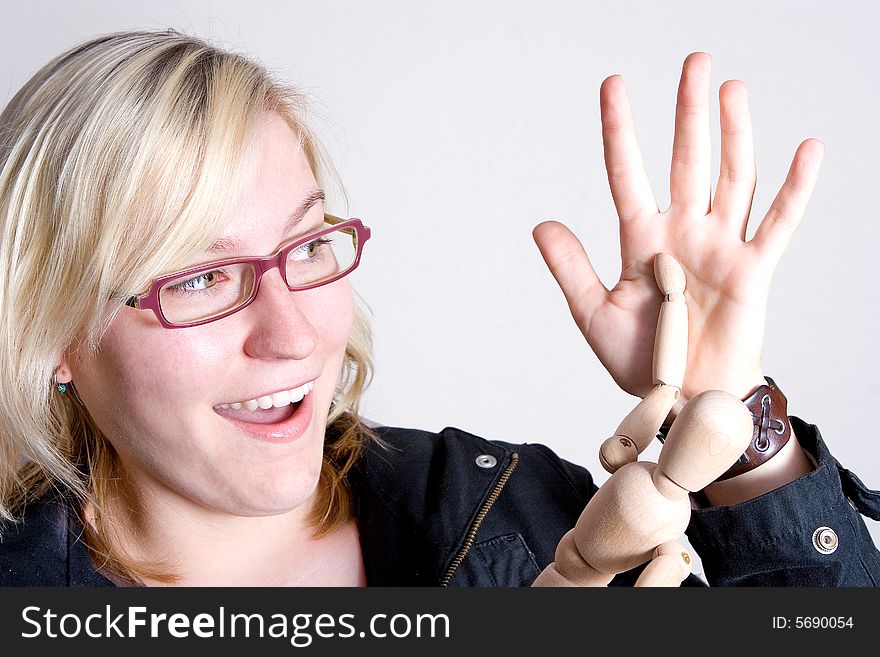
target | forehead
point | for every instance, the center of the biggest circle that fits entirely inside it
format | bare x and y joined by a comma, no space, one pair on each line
280,181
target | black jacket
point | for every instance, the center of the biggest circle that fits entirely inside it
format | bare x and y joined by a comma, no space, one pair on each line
454,509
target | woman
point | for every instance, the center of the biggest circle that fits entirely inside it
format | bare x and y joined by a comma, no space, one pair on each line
175,415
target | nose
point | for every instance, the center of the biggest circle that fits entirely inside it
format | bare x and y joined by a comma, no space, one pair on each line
278,327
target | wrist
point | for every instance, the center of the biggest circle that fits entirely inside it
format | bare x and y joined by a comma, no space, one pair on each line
740,385
771,433
788,464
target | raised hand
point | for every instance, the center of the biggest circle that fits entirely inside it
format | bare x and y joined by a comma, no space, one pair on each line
728,278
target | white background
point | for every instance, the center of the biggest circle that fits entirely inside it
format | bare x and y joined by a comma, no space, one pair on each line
458,126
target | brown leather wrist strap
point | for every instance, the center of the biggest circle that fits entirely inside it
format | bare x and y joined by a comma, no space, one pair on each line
769,409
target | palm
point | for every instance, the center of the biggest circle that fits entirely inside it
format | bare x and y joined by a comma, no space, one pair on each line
728,277
721,310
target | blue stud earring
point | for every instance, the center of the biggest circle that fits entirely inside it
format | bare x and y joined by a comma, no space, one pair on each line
62,387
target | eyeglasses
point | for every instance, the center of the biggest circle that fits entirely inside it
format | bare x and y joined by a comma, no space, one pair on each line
215,290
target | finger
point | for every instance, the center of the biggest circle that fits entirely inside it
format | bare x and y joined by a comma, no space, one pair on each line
737,175
571,267
782,219
690,177
630,188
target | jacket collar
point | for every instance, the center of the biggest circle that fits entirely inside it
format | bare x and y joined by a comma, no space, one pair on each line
419,496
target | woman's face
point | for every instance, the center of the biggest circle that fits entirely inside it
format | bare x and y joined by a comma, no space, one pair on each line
157,393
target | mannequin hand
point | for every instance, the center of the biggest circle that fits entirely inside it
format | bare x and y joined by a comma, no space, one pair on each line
728,278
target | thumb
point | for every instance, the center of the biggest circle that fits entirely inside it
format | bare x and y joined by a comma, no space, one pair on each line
568,262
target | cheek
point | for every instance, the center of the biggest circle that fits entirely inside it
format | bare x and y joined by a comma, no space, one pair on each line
331,314
142,375
167,365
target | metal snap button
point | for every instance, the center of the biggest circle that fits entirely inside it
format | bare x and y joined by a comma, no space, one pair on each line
825,540
486,461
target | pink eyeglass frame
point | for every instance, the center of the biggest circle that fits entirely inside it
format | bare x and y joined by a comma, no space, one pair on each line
150,299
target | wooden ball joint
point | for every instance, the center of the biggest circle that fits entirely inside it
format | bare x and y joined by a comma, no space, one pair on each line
637,515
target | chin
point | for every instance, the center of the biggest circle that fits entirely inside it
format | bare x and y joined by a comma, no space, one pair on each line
276,494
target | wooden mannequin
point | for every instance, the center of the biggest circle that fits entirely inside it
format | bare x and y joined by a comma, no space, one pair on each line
637,515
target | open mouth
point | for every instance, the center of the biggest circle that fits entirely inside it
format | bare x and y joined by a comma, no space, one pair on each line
267,409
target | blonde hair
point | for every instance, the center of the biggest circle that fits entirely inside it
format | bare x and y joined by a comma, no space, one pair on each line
119,160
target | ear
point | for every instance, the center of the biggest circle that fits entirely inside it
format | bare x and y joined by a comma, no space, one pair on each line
63,373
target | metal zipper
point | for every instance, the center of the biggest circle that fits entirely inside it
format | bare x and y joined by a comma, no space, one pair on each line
475,526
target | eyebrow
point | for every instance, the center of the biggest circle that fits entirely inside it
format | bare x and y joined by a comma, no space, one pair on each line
229,244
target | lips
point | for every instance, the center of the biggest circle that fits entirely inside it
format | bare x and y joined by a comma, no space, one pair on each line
277,425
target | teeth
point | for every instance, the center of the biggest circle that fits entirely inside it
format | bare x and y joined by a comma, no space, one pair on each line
276,399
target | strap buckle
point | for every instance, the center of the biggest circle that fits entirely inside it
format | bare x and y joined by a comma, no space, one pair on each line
765,422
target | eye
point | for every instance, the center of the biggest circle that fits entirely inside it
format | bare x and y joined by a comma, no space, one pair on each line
310,250
202,281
